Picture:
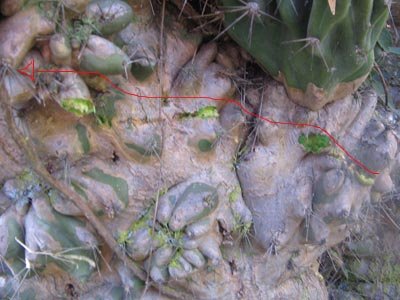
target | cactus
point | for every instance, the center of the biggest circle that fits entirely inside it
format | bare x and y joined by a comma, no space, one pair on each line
100,55
318,55
52,237
111,16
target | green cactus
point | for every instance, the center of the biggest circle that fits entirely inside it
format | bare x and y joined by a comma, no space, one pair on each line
11,252
318,55
54,237
110,16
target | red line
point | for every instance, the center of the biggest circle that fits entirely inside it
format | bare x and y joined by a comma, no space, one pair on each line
244,109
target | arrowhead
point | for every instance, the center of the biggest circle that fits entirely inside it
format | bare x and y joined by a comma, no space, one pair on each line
29,70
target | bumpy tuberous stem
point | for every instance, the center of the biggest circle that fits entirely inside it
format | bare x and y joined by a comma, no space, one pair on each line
25,143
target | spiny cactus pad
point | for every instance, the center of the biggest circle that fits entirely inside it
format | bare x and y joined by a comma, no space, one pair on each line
320,57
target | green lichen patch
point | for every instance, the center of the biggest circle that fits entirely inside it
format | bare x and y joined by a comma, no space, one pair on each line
78,106
174,263
142,222
83,137
206,112
234,195
241,228
364,178
176,238
123,237
119,185
314,143
162,237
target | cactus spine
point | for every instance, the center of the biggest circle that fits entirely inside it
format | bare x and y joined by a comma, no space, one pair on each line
319,56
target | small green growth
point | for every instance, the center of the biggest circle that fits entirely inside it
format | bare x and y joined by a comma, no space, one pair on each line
240,151
161,237
206,112
234,195
82,29
78,106
205,145
174,263
28,178
83,137
177,237
166,236
142,222
314,143
162,191
241,228
364,179
123,237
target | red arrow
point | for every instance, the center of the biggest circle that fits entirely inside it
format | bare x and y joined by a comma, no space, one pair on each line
29,70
